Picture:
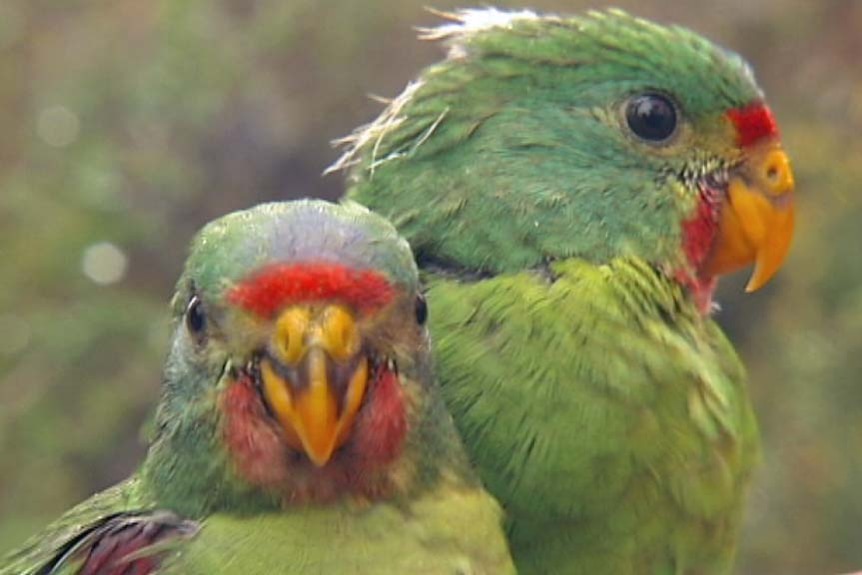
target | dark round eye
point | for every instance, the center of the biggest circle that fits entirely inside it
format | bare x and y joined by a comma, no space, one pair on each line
196,319
652,117
421,308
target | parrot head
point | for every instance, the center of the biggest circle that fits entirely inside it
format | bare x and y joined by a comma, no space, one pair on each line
600,136
299,361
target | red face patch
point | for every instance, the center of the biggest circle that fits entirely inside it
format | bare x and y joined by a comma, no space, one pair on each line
698,234
278,285
753,123
262,458
382,425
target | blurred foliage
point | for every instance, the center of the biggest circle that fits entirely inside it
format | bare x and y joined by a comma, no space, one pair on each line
126,125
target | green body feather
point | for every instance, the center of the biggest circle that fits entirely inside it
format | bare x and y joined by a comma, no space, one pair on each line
446,531
604,410
606,413
450,529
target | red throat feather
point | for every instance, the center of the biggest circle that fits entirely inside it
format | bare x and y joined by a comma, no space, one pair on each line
698,237
253,441
752,123
261,458
381,429
276,286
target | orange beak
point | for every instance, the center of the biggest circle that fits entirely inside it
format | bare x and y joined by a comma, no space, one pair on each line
757,218
314,378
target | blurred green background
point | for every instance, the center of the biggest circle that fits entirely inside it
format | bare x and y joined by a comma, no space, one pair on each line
125,125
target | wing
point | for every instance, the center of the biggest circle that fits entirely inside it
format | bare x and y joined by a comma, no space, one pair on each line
122,544
109,534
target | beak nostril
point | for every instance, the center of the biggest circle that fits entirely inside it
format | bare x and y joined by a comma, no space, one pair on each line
341,333
290,329
772,173
776,173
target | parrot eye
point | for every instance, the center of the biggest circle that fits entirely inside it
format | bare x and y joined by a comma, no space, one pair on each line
421,308
652,117
196,319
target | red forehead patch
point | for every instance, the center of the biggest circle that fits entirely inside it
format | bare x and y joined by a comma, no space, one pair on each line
753,123
274,287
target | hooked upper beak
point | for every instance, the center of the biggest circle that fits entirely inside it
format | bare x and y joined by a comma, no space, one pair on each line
314,378
757,218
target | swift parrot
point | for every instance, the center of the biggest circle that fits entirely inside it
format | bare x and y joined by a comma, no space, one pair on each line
573,187
300,430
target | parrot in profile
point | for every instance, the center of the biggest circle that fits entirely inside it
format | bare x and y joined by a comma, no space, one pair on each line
572,188
300,430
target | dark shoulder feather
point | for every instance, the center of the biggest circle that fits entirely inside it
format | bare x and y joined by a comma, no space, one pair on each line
114,524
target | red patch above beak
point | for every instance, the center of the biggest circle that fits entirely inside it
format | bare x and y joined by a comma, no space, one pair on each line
753,123
276,286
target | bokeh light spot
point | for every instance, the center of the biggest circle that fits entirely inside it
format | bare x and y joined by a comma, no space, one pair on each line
104,263
58,126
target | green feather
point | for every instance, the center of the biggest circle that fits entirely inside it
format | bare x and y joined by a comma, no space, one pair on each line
622,413
448,531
